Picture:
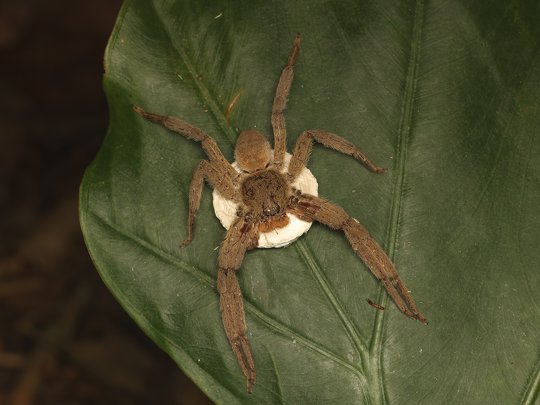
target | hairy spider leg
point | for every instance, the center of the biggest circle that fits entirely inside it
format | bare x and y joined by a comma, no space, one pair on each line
241,236
184,128
309,207
218,171
280,102
211,173
304,144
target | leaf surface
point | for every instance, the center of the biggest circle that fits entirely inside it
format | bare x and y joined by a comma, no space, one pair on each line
443,93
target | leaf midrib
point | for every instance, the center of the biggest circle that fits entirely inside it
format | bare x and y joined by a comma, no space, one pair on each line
404,131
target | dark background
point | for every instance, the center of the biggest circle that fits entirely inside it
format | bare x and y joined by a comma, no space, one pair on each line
63,338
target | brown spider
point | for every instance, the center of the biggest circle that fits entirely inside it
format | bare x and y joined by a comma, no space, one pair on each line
264,193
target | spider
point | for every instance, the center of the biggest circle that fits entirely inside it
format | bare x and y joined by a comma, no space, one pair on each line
265,197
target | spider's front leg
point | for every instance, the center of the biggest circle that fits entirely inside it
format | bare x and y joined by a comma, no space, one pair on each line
309,208
220,181
241,237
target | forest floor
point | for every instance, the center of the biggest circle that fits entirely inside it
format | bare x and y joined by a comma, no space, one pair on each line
63,337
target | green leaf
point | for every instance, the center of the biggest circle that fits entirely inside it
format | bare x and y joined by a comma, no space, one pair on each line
443,93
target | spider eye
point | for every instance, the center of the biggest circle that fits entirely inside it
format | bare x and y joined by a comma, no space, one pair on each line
271,208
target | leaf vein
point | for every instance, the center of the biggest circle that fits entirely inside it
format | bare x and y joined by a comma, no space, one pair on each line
199,274
532,391
354,334
404,131
203,92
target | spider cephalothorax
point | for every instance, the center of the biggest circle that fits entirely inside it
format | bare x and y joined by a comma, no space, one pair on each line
261,188
265,193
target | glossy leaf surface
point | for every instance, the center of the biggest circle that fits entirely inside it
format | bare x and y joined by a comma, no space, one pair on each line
443,93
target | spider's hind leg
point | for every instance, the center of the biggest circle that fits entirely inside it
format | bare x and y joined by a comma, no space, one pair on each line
302,150
187,130
280,101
